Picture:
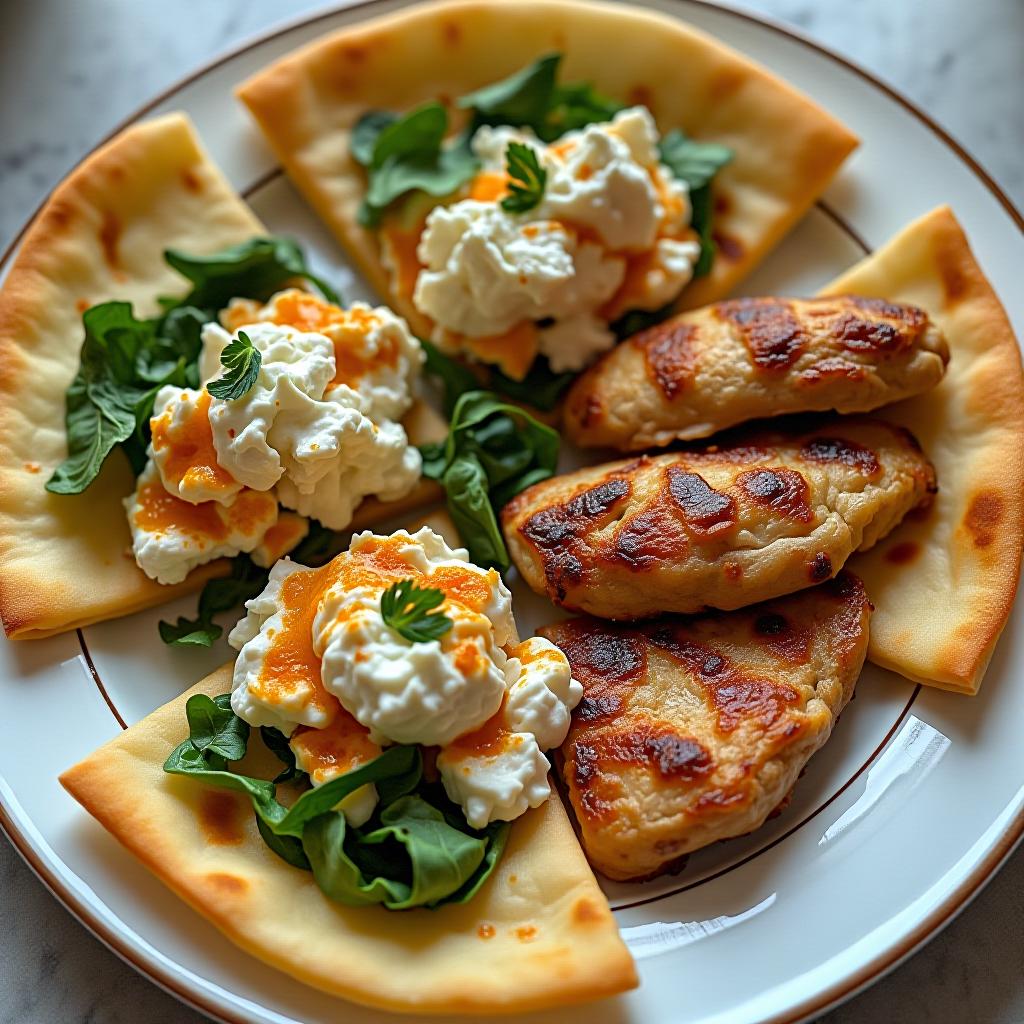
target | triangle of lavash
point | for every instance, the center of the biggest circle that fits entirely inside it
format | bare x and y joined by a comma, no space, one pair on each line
539,933
786,147
65,560
943,582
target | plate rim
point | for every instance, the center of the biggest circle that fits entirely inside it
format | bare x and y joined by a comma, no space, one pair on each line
890,957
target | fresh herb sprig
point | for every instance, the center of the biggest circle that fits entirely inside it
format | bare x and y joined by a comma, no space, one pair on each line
493,451
415,851
407,608
527,179
241,361
126,360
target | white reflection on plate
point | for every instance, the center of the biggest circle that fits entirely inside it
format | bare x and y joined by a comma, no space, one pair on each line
658,937
903,766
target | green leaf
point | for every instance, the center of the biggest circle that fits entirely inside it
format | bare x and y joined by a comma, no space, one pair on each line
456,378
408,154
541,387
255,269
696,163
241,361
493,451
527,179
637,320
573,107
214,728
406,608
366,132
692,162
222,594
277,743
524,98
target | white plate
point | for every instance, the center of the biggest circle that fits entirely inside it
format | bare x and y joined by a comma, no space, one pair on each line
897,823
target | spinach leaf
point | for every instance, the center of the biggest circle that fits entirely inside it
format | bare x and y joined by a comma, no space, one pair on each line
637,320
522,99
575,106
541,387
493,451
456,378
125,360
417,850
409,154
254,269
277,743
245,581
696,163
215,729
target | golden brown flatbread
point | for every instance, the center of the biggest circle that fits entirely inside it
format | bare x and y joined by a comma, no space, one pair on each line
786,148
65,560
538,934
943,582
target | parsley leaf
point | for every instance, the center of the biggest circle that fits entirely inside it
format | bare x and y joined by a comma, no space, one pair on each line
696,163
241,361
527,179
406,608
493,451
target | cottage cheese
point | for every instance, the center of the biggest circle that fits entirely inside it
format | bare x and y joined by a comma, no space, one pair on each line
170,537
607,198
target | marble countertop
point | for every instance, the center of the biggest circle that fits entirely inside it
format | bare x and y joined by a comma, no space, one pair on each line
70,72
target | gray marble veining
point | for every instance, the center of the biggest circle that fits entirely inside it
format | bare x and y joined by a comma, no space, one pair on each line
69,71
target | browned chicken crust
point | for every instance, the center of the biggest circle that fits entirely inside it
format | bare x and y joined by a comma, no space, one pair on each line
694,730
712,368
720,526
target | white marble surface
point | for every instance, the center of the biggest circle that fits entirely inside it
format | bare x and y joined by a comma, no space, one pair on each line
71,69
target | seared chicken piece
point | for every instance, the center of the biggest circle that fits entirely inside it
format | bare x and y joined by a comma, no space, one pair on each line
720,526
711,368
694,730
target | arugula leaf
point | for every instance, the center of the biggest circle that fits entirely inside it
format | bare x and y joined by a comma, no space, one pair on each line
215,729
222,594
493,451
254,269
406,608
241,361
696,163
409,154
527,179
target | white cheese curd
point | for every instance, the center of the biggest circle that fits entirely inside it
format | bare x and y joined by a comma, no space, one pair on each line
377,358
171,537
182,447
425,692
319,448
500,786
542,693
486,271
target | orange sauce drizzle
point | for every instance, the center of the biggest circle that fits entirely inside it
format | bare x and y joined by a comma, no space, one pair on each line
402,251
159,510
489,740
340,747
489,186
191,458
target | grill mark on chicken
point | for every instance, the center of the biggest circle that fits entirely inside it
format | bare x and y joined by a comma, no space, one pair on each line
771,331
669,355
705,510
837,449
647,539
556,531
782,637
781,491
